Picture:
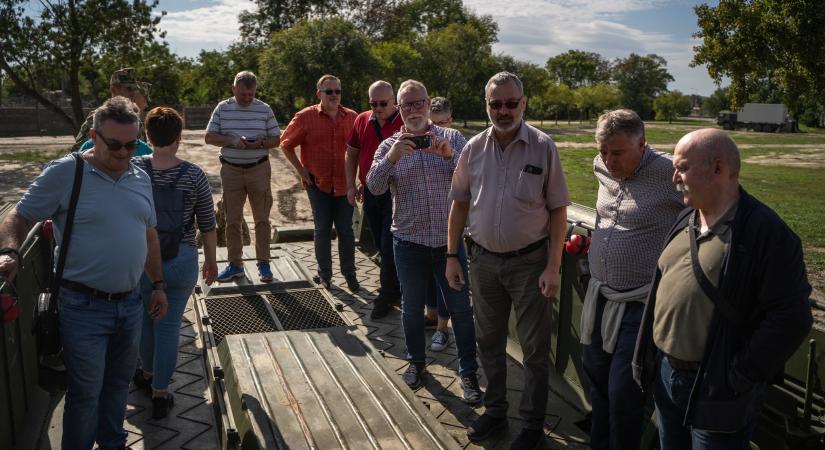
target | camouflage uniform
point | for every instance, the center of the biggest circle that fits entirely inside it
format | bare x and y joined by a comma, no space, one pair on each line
124,77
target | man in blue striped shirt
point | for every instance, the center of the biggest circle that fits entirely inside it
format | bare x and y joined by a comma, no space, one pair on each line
245,128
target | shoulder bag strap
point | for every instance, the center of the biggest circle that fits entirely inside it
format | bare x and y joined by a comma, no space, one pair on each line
377,128
67,231
712,292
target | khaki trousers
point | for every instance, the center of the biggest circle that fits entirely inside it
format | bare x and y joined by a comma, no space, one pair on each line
238,184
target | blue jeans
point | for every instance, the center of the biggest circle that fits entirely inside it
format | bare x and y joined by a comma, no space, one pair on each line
378,212
671,395
416,264
618,403
100,346
326,210
159,338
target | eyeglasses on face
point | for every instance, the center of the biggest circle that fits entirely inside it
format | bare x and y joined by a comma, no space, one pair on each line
442,123
510,104
331,91
114,145
416,105
381,103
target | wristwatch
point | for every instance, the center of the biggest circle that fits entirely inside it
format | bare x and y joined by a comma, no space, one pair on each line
451,255
9,251
159,285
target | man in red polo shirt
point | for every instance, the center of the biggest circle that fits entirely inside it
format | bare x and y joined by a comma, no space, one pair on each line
372,127
321,131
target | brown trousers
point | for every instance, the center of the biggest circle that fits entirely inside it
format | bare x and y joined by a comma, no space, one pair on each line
238,184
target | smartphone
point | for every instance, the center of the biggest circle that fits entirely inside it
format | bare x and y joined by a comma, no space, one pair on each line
250,140
423,141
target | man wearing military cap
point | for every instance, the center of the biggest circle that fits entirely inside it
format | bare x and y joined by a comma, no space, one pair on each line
124,83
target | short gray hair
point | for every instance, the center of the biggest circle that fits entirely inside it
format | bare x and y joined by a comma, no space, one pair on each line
324,79
380,84
411,84
246,78
504,78
118,109
618,121
441,105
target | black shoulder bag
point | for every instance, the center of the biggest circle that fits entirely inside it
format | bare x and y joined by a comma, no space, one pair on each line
725,416
169,209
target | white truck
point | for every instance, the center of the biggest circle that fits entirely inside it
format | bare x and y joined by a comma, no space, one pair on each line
768,117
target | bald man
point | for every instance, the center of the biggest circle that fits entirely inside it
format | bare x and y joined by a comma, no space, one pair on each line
728,306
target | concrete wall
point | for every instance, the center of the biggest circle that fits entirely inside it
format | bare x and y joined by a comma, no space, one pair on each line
197,117
33,121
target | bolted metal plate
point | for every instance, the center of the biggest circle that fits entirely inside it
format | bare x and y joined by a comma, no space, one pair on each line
238,314
303,309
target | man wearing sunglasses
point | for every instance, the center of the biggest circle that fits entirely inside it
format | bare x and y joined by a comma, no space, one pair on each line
416,165
370,129
321,131
245,129
125,84
113,241
509,188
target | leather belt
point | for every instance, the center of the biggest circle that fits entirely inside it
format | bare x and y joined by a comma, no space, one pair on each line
243,166
680,364
523,251
100,295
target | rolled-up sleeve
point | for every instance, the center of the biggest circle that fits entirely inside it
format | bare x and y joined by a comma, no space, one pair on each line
555,187
460,186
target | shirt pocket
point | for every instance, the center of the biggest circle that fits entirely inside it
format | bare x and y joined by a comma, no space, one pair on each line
529,186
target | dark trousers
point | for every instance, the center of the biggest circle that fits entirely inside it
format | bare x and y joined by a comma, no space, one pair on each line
326,210
499,284
618,403
378,211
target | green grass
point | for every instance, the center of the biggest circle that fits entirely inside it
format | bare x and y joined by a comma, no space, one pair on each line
32,156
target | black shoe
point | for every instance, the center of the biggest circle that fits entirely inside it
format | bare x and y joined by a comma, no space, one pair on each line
380,308
486,426
161,406
352,282
325,282
414,376
142,383
528,440
472,393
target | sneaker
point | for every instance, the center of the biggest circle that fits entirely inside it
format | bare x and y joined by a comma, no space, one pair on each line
141,382
264,272
161,406
486,426
528,440
472,393
414,376
440,340
352,282
380,308
231,271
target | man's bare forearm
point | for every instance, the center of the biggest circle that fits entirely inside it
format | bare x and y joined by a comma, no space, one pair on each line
153,267
292,157
220,140
351,165
558,229
14,229
455,224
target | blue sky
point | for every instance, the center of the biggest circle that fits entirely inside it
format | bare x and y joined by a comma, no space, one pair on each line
531,30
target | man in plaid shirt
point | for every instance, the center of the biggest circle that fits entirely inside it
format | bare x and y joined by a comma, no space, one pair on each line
416,165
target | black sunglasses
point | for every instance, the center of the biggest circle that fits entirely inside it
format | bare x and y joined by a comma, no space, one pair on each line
114,145
381,103
331,91
510,104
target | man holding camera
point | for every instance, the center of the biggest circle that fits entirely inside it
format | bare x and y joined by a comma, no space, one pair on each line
416,165
245,128
509,183
321,131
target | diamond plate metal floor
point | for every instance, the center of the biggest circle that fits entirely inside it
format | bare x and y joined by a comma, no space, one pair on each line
191,423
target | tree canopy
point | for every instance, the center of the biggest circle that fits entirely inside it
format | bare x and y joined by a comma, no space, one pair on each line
577,68
640,79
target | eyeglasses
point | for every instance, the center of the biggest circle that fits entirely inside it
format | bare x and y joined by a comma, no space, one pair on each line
443,123
510,104
332,91
381,103
114,145
416,105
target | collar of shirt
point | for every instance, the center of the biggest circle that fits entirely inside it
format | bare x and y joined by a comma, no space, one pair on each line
522,135
320,109
390,119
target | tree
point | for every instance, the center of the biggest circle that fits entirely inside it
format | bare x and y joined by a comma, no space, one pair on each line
640,79
296,58
670,105
535,80
717,101
595,99
754,42
411,19
558,98
397,61
46,49
579,68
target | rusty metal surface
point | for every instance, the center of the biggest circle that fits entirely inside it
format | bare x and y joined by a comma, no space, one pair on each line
322,389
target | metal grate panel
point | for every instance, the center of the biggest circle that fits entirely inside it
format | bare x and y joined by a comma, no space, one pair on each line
303,310
238,314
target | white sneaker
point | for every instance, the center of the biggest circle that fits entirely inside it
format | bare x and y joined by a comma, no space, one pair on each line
440,340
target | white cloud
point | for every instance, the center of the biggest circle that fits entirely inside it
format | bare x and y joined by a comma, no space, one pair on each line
213,26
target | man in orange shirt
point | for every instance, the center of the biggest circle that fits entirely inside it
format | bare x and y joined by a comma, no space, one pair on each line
321,132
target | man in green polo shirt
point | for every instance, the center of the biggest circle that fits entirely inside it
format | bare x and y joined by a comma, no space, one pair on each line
728,306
